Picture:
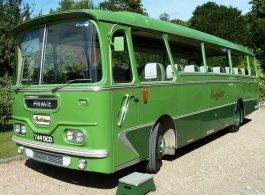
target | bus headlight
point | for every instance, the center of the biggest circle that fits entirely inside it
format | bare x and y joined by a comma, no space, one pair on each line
20,129
75,136
17,128
70,135
23,129
79,137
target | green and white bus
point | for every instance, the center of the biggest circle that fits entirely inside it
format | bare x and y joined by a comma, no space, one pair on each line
100,91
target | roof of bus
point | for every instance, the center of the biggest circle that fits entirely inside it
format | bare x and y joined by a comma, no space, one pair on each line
132,19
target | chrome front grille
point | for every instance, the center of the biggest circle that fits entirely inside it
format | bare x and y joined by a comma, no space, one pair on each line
50,158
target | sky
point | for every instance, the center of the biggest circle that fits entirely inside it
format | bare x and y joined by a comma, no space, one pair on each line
176,9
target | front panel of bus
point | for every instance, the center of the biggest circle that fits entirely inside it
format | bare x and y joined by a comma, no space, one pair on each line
61,99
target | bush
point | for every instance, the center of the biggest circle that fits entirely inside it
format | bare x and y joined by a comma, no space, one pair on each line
261,82
5,99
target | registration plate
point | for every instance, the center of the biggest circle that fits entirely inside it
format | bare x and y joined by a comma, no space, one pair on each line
43,138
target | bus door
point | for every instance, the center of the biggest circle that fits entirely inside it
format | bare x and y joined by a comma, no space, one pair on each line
125,106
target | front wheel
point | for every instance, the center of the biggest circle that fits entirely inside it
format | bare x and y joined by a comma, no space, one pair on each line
238,115
156,149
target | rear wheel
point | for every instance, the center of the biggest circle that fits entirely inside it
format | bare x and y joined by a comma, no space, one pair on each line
238,115
156,149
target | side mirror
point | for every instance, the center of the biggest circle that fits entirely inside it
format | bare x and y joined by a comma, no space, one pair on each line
118,43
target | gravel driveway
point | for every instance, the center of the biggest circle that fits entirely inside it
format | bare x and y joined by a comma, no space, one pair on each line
223,163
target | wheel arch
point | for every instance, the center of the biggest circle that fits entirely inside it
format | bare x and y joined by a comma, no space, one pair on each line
169,133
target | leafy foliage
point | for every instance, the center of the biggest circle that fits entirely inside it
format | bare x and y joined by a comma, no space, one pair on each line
258,8
164,17
11,14
258,31
257,27
123,5
180,22
65,5
5,101
221,21
261,81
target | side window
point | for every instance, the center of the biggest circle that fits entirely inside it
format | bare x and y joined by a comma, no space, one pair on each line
150,55
121,64
252,70
239,62
186,53
217,58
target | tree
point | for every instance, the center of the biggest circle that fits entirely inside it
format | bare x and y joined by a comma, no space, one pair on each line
181,22
256,20
221,21
72,5
123,5
258,8
164,17
12,12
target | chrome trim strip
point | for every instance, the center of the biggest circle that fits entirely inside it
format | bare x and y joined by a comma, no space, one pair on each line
133,162
251,99
206,110
214,74
119,87
201,111
123,138
40,97
62,150
85,88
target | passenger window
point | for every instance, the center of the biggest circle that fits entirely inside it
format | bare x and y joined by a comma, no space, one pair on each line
239,61
121,64
186,52
252,70
217,58
150,55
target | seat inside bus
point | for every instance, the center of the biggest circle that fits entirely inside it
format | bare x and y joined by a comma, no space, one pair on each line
219,70
169,71
209,69
152,72
191,68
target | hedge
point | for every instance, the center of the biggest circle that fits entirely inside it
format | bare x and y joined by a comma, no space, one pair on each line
5,98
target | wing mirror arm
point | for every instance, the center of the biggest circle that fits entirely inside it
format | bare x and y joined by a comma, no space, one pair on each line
118,42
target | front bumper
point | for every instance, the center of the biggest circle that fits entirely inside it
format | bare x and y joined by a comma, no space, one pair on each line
62,150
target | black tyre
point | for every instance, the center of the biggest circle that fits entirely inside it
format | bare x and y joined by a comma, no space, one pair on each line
156,149
237,119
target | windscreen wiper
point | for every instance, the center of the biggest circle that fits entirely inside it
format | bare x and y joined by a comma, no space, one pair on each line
22,87
68,82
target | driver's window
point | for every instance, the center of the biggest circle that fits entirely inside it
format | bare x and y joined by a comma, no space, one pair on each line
121,64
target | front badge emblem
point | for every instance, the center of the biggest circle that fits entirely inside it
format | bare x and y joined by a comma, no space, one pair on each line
42,119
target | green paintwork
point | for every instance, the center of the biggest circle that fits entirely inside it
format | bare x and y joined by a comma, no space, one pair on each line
197,104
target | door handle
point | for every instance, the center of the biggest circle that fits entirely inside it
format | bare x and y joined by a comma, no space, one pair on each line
124,109
135,99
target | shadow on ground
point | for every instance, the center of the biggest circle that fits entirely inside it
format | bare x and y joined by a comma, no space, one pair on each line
83,178
109,181
199,143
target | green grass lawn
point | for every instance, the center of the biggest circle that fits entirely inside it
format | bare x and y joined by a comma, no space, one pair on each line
7,146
